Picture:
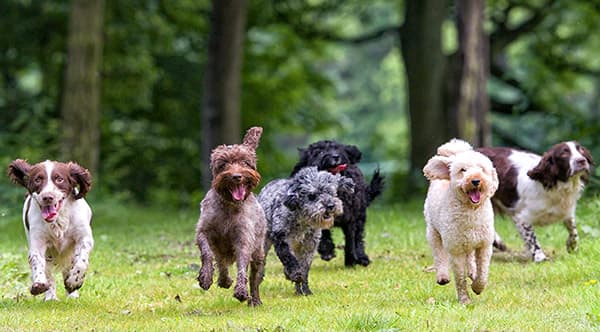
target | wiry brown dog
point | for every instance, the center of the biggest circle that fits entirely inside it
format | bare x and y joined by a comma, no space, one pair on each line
232,224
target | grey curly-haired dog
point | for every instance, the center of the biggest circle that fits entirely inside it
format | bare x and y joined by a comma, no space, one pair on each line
297,209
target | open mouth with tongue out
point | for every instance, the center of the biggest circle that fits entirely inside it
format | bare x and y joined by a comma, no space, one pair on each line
50,212
337,169
238,193
474,196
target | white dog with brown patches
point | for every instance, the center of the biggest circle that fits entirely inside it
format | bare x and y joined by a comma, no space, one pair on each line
459,215
57,221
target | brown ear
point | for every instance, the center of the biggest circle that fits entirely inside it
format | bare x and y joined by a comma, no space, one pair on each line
82,177
252,137
546,171
18,171
587,155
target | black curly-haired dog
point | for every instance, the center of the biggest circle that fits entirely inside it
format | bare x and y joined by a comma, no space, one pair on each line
338,158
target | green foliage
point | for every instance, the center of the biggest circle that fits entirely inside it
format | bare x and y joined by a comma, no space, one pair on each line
144,265
304,79
557,70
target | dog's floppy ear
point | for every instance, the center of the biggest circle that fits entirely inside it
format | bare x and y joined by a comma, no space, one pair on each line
546,171
345,185
18,171
252,137
587,155
354,153
437,168
82,177
291,200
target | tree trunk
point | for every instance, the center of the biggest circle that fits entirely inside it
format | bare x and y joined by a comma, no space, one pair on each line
221,119
425,67
472,105
81,96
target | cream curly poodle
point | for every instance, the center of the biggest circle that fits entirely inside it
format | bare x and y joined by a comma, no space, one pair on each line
459,215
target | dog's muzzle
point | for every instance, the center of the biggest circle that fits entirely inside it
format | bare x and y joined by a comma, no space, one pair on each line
50,206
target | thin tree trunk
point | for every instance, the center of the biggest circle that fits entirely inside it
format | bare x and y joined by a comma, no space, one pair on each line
221,119
81,95
473,103
425,67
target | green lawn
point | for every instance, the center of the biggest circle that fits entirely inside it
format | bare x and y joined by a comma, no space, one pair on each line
143,270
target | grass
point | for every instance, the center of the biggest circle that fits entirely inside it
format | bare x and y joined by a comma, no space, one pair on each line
143,269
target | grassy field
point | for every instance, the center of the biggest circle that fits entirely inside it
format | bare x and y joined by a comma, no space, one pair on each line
143,269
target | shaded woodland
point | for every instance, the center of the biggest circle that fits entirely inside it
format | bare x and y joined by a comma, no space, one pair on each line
141,91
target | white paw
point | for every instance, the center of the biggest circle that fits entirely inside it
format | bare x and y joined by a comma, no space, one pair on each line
50,296
539,256
73,295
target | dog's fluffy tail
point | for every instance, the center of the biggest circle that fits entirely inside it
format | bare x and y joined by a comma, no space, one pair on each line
375,188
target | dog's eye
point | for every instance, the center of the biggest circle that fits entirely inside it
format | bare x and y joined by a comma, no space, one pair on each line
59,180
462,170
38,180
312,197
248,163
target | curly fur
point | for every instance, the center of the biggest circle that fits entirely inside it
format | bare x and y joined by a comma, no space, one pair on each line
297,209
232,225
459,215
342,159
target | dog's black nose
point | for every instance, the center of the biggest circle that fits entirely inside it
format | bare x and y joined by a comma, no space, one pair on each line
582,162
48,199
475,182
330,206
236,176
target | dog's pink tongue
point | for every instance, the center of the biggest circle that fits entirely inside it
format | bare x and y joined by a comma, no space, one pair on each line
338,168
474,196
49,212
239,193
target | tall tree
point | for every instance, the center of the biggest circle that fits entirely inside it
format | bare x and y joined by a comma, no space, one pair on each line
221,120
81,95
425,68
473,102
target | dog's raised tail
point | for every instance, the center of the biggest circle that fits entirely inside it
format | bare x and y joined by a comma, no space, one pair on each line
375,188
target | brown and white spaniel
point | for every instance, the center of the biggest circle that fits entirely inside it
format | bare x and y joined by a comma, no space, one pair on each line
540,190
57,222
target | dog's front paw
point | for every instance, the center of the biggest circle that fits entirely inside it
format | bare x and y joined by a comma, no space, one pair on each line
38,288
293,274
254,302
224,282
442,277
464,299
205,278
303,289
74,281
539,256
240,293
363,260
572,243
442,280
478,286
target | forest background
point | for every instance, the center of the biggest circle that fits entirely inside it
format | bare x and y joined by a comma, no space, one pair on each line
139,91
